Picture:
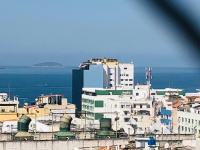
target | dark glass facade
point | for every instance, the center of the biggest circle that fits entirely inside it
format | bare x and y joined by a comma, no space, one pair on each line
77,85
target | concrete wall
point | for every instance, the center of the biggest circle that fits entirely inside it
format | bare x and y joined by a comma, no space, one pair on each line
45,142
48,136
60,145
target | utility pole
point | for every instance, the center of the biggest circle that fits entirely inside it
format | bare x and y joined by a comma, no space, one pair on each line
85,126
52,126
116,119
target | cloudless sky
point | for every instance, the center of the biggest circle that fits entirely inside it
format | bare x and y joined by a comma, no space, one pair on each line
71,31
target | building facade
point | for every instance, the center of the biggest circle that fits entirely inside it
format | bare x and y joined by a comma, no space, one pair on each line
188,121
77,85
101,73
124,107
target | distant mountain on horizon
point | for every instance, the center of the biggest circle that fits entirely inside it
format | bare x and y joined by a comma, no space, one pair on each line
48,64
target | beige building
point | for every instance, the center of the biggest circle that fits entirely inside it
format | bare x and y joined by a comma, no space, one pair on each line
8,107
45,106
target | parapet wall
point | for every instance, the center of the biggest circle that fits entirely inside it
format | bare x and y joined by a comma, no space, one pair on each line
60,145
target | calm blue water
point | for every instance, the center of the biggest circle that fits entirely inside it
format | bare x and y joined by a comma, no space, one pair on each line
27,82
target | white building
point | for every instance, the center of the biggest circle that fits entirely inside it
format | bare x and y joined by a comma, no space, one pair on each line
118,75
108,73
189,120
126,106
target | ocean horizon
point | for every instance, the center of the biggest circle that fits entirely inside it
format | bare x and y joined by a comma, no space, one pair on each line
30,82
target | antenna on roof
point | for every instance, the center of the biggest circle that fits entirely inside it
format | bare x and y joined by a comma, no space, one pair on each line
9,91
148,75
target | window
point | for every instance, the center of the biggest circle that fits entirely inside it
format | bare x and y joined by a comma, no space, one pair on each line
125,68
130,79
179,118
127,75
126,79
125,112
140,105
110,74
98,103
126,119
110,79
188,120
111,85
137,94
98,116
130,84
122,79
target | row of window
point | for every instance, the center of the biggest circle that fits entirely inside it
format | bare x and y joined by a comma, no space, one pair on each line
126,79
111,85
187,129
135,106
188,120
123,80
87,107
124,75
89,93
121,74
88,101
125,106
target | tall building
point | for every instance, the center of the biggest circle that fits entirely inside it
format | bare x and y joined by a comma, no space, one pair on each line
109,74
77,85
101,73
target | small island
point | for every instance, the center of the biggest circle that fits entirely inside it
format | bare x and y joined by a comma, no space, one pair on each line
48,64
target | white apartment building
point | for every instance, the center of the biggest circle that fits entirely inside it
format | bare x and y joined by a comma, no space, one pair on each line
188,120
118,75
108,74
125,105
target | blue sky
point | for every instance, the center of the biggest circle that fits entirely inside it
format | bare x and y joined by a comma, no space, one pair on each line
70,31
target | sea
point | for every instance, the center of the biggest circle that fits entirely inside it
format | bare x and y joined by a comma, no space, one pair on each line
30,82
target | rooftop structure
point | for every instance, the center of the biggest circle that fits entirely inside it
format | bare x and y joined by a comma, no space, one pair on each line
46,105
8,107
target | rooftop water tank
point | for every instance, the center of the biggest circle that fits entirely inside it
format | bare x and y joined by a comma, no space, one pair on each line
105,129
65,133
23,127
